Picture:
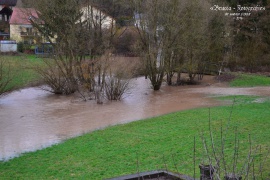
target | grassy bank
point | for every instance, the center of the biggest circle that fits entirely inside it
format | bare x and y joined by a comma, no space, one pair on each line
248,80
20,70
156,143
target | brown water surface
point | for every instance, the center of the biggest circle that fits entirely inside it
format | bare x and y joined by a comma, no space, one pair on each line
32,119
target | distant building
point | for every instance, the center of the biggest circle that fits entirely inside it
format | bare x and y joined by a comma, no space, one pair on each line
21,28
97,17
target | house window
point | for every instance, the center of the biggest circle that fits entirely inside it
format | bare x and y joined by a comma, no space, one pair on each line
29,30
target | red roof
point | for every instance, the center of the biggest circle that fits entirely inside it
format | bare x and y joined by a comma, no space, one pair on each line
22,15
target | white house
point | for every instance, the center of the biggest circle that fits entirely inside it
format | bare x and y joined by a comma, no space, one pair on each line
97,17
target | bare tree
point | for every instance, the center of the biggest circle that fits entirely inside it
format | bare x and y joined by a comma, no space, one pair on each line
157,22
117,81
57,22
78,33
174,38
195,35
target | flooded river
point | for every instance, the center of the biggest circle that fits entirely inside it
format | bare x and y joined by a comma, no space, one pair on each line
32,119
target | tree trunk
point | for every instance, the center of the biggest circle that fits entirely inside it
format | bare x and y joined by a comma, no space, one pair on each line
169,79
178,81
156,87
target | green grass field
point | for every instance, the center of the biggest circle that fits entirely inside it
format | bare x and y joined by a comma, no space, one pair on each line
247,80
164,142
20,70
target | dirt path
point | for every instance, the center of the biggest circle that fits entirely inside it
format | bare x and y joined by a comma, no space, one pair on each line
31,119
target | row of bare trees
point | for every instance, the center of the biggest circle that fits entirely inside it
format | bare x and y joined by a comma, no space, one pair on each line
177,36
187,36
173,37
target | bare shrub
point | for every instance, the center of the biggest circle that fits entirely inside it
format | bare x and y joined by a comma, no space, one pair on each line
105,77
57,77
116,81
115,87
86,74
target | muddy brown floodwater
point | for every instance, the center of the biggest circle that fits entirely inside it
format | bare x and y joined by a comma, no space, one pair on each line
32,119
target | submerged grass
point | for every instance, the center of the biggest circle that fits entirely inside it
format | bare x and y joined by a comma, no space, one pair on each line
141,145
248,80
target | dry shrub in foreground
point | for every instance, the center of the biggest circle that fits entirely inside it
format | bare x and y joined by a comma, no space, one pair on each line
228,157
